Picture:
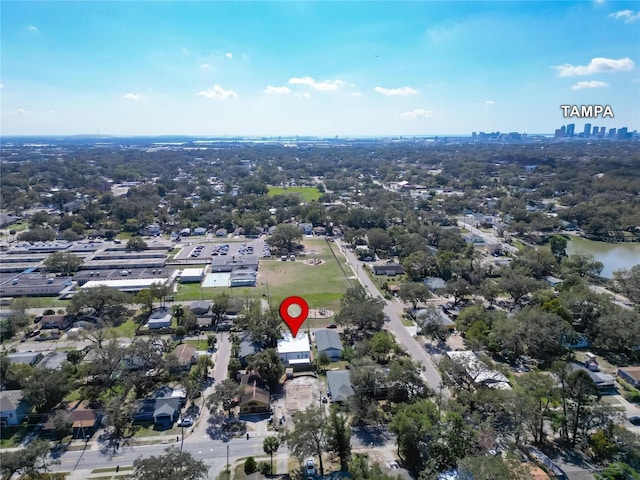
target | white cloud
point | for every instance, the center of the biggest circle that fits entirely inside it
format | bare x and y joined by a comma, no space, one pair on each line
301,81
33,28
394,92
205,66
418,113
306,95
489,102
1,85
325,85
589,84
328,85
628,16
596,65
277,90
185,50
599,2
133,96
217,92
228,55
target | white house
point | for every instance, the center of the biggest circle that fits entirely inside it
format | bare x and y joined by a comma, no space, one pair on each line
295,351
13,408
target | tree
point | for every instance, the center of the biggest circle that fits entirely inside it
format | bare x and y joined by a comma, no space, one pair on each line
225,394
172,465
420,264
413,292
517,284
268,365
270,446
628,282
360,469
491,467
285,237
339,437
62,424
582,264
558,246
379,239
28,460
65,263
45,388
106,303
118,418
412,424
145,297
535,394
137,244
308,437
364,314
618,331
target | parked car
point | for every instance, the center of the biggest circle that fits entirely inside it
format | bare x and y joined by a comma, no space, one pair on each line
185,422
332,325
635,420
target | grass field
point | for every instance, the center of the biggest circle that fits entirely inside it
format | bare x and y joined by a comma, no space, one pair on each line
308,194
321,285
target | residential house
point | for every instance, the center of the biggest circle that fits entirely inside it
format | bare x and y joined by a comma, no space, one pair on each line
13,408
159,318
630,374
328,342
306,228
602,381
255,397
247,348
85,419
53,360
162,407
390,270
339,385
61,322
295,351
200,308
28,358
186,355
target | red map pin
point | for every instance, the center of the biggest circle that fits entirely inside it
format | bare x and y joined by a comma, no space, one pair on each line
289,313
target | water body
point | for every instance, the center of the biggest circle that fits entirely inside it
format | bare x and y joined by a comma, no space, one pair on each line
614,256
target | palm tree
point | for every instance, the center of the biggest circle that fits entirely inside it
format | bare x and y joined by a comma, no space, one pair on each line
270,446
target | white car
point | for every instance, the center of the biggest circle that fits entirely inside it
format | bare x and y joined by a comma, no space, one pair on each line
309,468
185,422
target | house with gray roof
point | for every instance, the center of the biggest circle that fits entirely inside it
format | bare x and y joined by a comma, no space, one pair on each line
339,383
13,408
329,343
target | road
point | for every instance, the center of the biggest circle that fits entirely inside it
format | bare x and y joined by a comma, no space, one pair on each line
393,310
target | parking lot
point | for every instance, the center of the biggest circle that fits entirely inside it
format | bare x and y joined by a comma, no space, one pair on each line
205,251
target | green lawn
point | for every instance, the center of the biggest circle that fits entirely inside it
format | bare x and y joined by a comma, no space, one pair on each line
308,194
320,285
126,329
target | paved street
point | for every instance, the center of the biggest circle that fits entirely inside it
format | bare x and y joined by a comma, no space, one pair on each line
393,310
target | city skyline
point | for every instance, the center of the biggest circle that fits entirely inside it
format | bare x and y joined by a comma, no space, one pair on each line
315,68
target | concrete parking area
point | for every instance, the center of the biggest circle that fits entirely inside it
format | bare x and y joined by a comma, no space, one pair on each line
206,250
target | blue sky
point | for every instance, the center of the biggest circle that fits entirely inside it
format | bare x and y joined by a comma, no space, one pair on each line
314,68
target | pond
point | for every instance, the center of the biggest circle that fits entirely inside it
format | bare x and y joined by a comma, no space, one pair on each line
614,256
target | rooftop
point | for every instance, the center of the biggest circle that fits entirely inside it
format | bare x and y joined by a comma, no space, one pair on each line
288,344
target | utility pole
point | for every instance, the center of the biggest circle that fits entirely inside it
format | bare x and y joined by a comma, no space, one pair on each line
227,458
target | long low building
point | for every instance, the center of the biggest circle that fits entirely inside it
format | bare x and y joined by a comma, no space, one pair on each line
478,371
33,284
131,284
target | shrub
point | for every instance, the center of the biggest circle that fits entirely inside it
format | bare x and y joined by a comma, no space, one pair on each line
250,466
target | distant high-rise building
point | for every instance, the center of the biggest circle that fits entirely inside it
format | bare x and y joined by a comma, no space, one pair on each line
594,132
603,131
571,128
612,133
587,130
622,133
559,132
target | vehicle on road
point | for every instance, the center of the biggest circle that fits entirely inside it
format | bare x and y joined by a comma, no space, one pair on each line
634,420
309,468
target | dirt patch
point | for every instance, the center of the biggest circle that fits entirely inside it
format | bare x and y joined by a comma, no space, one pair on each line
299,393
314,262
